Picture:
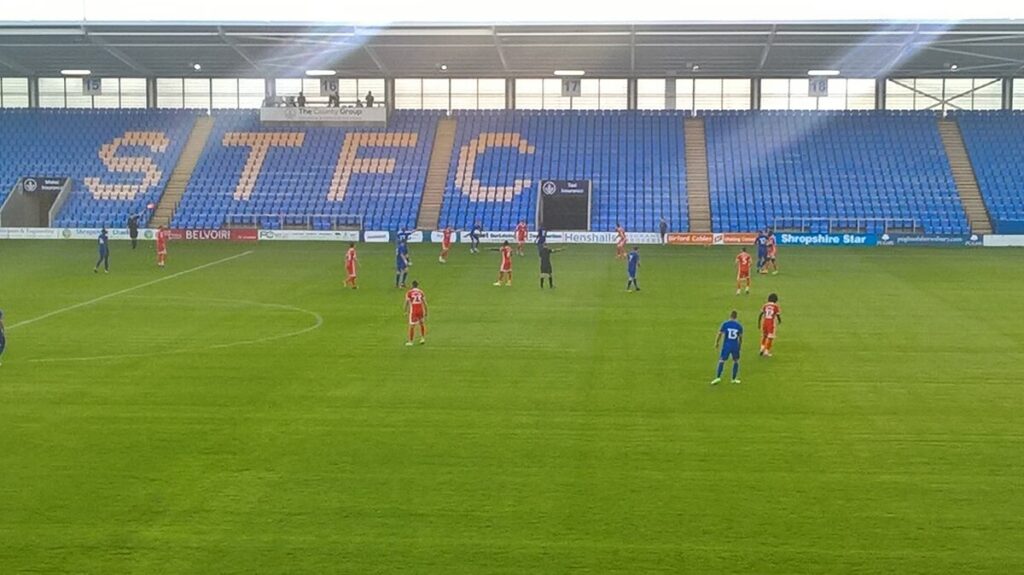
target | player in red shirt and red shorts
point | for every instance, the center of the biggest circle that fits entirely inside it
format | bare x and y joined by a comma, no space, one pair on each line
446,244
351,262
521,233
416,308
161,246
770,318
742,270
620,242
505,271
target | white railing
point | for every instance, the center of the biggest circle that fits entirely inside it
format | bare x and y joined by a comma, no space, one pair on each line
853,225
295,221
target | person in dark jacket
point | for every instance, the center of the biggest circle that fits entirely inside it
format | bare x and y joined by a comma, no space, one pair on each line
133,229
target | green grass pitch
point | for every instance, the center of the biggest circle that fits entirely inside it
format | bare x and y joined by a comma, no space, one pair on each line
181,427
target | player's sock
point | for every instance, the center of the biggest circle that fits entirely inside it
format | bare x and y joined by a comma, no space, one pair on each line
636,285
721,366
735,370
551,282
412,332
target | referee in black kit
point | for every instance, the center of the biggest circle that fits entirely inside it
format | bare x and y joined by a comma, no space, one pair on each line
545,265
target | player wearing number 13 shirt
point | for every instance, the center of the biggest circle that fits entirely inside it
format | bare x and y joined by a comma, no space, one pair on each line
416,308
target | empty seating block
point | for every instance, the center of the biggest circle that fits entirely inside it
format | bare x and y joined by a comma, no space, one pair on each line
319,177
765,166
118,160
995,143
635,161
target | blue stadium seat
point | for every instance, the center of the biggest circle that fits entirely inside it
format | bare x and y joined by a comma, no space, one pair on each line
766,166
119,161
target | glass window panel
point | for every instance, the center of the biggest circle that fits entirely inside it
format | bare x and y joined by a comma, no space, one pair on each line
409,93
463,94
590,90
614,94
287,86
73,94
111,97
491,93
1018,94
529,94
435,93
14,92
133,92
929,94
898,94
650,94
988,94
736,94
197,93
553,99
774,94
348,91
707,94
684,94
51,92
860,94
225,93
251,92
798,95
169,93
375,85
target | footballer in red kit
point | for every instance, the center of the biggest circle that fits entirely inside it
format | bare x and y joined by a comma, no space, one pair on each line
416,308
620,242
505,271
351,262
742,270
161,246
446,244
770,318
521,233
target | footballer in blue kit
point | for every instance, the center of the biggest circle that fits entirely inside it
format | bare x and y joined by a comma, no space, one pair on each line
762,249
632,263
101,243
402,264
3,337
730,338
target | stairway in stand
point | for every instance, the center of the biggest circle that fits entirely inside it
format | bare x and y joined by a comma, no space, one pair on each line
963,176
182,172
697,187
437,175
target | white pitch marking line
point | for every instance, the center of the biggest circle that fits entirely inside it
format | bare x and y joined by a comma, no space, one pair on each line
126,290
319,321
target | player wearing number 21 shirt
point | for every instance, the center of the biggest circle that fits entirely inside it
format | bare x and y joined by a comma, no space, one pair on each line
770,319
416,308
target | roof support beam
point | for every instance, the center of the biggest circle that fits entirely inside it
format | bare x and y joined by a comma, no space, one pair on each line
973,54
116,53
767,48
632,49
8,63
230,42
376,59
499,48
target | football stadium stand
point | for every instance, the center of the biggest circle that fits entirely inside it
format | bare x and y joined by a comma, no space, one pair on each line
118,160
874,170
635,161
877,170
995,143
319,177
